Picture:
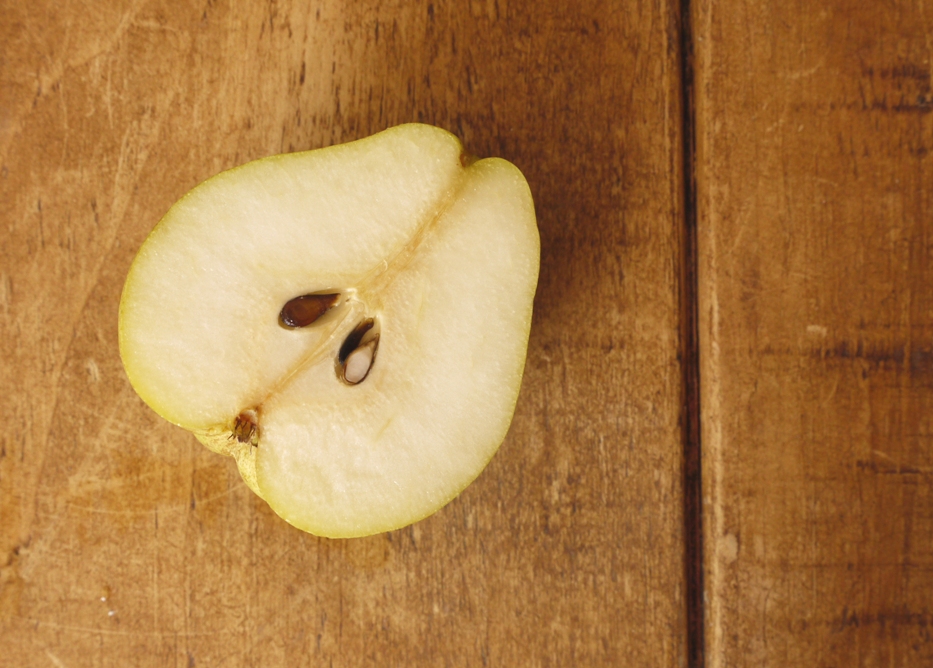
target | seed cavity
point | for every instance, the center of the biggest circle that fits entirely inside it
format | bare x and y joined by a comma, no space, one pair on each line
358,353
246,428
305,310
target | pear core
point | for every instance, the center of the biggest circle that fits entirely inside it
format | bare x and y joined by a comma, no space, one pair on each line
440,254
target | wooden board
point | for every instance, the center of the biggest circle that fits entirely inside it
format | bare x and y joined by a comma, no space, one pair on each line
124,542
815,200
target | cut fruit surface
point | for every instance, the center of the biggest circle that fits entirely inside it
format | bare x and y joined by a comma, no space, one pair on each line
349,323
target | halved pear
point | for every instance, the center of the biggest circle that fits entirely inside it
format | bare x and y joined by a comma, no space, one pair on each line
349,323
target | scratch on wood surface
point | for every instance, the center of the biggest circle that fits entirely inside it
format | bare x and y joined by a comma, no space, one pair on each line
66,131
155,25
817,330
162,508
93,630
55,660
884,455
108,95
93,370
6,293
803,74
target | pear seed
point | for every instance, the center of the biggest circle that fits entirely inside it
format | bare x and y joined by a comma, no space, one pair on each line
358,363
304,310
358,352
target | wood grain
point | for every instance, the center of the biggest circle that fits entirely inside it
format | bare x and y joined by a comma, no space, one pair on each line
815,203
124,542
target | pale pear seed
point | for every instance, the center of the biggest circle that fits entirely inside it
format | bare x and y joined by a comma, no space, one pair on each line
358,363
358,352
305,310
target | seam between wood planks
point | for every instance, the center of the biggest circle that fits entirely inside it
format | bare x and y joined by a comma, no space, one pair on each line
690,355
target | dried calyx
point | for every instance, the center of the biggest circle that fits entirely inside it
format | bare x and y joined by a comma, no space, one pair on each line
358,352
246,427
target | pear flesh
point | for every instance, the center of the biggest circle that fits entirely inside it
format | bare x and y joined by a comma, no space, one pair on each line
437,255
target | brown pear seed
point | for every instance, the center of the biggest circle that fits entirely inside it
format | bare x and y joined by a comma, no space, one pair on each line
354,339
304,310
